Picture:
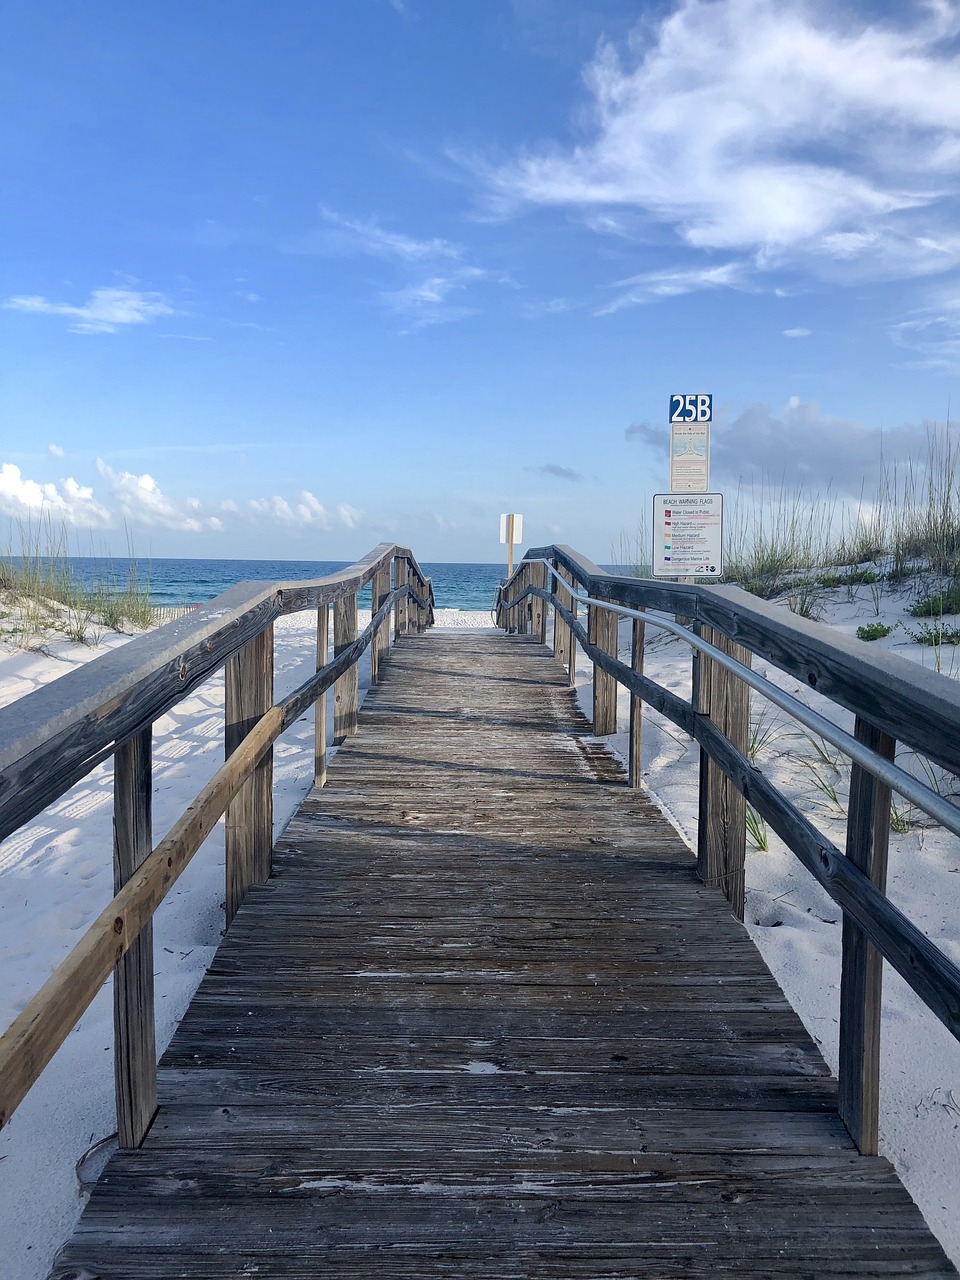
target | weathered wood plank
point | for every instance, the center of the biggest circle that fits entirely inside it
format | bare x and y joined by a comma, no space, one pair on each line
868,839
248,695
320,707
135,1046
450,1037
724,700
346,689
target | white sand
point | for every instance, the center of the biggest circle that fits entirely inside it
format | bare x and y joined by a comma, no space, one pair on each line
56,875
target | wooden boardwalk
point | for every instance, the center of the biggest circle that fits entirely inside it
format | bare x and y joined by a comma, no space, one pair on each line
484,1021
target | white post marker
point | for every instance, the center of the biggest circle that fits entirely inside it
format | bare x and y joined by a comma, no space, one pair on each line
511,532
688,535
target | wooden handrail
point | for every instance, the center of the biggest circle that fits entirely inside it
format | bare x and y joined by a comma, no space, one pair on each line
86,716
892,699
58,733
913,704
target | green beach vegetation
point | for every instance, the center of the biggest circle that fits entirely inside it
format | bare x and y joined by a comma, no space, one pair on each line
41,594
784,542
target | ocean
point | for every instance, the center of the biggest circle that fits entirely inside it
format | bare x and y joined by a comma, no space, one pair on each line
190,582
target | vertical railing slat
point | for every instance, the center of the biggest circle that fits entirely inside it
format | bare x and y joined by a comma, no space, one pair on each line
346,689
636,704
602,630
571,638
320,706
248,694
135,1048
868,838
538,577
722,824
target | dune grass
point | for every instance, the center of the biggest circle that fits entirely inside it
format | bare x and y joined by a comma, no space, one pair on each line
783,542
40,593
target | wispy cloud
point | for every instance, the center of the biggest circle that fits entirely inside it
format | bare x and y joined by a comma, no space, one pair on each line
66,501
354,235
105,311
652,286
933,336
431,301
55,450
558,472
796,333
771,129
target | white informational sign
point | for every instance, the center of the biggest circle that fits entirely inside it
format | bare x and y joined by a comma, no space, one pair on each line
687,535
692,407
511,529
689,457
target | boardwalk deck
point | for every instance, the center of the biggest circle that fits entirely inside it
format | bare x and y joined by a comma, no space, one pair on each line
484,1021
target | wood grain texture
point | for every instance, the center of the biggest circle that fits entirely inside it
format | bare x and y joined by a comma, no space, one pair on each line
637,640
485,1021
913,704
135,1045
861,979
320,711
346,689
248,695
724,700
44,1023
58,733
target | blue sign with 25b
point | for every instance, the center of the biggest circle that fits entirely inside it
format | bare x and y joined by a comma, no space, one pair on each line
691,408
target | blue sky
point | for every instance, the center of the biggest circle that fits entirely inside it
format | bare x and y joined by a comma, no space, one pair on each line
291,279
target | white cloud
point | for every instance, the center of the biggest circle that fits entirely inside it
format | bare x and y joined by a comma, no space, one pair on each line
69,501
654,285
933,335
429,302
306,511
799,446
105,310
796,333
359,236
774,129
55,450
141,501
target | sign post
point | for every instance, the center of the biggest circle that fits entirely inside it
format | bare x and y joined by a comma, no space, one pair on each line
511,532
688,521
688,535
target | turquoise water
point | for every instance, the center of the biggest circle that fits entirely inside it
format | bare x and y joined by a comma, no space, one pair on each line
189,582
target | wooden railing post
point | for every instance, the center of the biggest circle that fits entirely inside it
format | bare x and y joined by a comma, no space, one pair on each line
868,838
514,610
636,705
722,825
346,689
523,608
561,631
320,706
538,578
571,638
135,1047
398,567
248,695
602,630
383,635
375,641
